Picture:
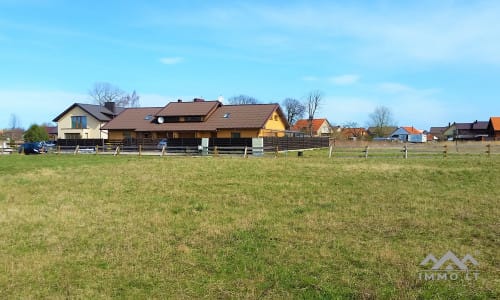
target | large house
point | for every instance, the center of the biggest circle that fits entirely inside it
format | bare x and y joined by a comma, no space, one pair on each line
198,119
318,127
85,121
476,130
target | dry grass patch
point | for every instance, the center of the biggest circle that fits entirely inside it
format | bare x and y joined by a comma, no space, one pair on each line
128,227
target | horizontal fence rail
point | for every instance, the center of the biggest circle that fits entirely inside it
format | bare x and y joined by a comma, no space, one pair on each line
382,150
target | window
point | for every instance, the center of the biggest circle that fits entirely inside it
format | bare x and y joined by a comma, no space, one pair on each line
79,122
235,135
192,119
226,116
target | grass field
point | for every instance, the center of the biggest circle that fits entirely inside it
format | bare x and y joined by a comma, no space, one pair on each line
177,227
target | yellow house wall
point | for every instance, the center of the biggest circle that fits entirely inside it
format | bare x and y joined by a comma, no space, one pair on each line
119,134
93,126
244,133
275,126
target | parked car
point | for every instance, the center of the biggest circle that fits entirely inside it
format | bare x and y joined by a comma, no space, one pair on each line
162,143
32,148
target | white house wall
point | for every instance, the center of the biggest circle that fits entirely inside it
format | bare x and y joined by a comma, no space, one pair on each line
91,132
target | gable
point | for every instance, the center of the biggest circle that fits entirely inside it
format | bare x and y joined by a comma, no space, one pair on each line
180,109
97,112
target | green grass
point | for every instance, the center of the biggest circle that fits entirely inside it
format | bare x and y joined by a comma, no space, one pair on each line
127,227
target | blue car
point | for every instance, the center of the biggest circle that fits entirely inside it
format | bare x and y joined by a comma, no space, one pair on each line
161,144
32,148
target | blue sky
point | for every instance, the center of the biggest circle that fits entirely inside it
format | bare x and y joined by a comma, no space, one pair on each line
430,62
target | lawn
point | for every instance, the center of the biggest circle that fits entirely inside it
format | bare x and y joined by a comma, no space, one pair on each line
200,227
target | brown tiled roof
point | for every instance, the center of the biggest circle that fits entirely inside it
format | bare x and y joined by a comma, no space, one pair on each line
188,108
224,117
133,118
437,130
243,116
480,125
51,129
99,112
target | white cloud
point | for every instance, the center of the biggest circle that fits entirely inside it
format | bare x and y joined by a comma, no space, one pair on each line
171,60
394,88
430,31
346,79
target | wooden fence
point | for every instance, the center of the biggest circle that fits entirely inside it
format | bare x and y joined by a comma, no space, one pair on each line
112,149
296,143
409,150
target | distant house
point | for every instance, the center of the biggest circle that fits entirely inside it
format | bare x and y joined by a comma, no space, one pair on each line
437,133
85,121
385,131
494,127
52,132
15,134
198,119
402,133
354,133
476,130
318,127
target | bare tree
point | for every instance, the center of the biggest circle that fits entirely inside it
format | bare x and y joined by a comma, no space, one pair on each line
103,92
312,103
242,99
294,110
129,100
14,121
381,119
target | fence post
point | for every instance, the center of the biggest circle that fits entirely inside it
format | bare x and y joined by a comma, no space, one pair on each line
245,155
117,151
445,152
216,152
276,152
76,150
96,149
331,151
488,151
140,150
405,150
366,152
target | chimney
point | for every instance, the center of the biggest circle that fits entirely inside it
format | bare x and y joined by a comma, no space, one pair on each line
198,100
179,100
110,106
